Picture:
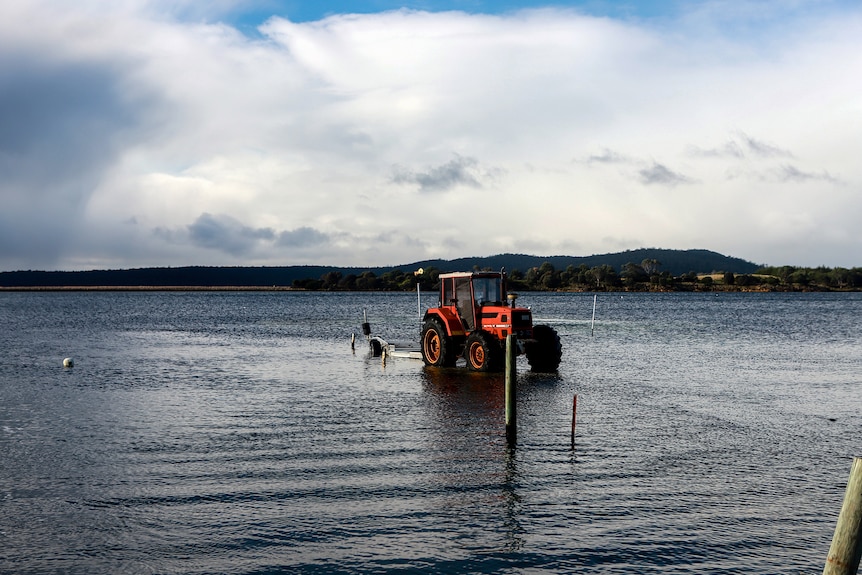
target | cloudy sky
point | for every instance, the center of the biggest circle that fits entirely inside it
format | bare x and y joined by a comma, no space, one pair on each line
141,133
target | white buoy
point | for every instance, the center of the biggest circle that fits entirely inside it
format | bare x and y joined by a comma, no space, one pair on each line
68,362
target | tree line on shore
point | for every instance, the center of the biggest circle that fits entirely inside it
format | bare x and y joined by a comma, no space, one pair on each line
643,276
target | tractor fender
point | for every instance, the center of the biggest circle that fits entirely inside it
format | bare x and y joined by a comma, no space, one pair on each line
450,320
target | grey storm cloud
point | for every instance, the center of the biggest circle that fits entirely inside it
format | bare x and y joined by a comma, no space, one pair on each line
226,234
763,149
662,175
302,238
457,172
788,173
59,121
608,156
740,147
62,127
730,150
653,174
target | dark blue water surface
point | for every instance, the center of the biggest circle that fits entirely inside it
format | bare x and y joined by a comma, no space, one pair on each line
238,433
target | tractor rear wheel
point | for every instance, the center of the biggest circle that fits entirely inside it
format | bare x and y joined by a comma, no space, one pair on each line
483,352
545,352
437,348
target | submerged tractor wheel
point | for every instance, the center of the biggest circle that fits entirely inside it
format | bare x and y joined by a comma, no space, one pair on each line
436,345
376,347
483,352
545,352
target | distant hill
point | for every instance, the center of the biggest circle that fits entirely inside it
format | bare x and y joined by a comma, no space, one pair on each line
677,262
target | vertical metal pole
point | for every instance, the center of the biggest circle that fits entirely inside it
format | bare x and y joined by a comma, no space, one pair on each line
574,418
419,306
511,391
846,548
593,323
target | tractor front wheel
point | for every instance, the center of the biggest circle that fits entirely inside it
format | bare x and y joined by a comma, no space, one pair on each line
483,352
436,345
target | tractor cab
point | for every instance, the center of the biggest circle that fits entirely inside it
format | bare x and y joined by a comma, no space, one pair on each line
467,293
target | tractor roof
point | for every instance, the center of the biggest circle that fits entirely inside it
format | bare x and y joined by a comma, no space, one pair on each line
470,274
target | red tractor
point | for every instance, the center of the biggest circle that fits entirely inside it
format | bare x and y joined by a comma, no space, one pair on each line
473,319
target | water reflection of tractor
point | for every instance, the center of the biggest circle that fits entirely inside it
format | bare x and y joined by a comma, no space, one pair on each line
473,319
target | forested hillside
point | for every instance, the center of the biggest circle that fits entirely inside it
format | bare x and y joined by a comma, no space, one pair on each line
646,269
675,262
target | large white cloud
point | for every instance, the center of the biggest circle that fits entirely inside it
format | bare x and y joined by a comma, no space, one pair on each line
135,135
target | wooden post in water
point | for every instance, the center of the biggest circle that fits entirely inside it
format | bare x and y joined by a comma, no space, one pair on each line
574,418
511,392
846,548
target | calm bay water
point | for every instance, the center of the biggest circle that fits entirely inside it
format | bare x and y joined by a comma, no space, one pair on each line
238,433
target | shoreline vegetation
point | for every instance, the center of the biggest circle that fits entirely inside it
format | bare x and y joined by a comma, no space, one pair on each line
643,277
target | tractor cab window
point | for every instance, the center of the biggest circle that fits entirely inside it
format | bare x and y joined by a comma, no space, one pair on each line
486,291
448,292
465,302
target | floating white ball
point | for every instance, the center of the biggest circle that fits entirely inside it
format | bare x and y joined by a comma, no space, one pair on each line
68,362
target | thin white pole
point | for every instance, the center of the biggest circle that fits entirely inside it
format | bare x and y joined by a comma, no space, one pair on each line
593,324
419,305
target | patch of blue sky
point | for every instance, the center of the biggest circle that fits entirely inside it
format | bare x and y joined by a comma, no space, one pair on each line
302,11
247,16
